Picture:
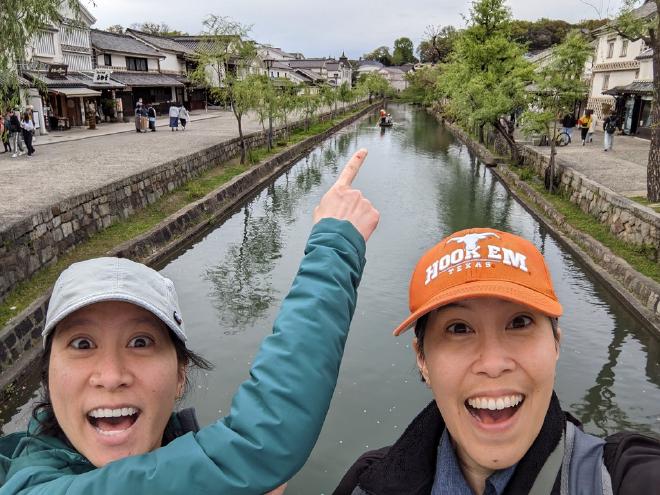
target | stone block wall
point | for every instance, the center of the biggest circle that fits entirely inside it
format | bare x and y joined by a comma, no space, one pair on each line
37,241
627,220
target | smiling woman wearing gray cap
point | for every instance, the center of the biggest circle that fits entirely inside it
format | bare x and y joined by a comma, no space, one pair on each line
115,363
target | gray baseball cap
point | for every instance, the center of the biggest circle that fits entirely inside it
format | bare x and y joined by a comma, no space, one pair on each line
114,279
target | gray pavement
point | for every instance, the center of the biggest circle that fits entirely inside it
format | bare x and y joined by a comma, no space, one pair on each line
62,170
623,169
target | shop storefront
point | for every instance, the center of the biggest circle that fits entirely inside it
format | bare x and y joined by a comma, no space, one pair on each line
155,89
64,96
633,107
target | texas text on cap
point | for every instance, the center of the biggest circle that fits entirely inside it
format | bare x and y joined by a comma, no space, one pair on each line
114,279
480,263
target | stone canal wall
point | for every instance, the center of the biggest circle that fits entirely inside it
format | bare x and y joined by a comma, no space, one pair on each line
38,240
20,340
639,293
626,219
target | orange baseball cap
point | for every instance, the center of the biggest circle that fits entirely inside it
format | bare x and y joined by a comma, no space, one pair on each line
480,263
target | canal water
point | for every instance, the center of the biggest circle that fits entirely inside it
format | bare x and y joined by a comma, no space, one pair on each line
426,185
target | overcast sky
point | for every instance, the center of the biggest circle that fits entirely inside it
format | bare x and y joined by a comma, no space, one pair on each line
328,27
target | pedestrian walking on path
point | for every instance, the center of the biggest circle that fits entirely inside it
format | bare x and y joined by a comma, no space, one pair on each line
568,124
28,129
592,129
585,123
609,128
151,112
15,134
174,117
4,132
184,116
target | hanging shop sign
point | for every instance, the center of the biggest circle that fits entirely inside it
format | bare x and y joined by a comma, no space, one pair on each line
102,75
57,71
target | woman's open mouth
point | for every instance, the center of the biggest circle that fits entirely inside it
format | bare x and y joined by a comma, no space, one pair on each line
494,410
111,422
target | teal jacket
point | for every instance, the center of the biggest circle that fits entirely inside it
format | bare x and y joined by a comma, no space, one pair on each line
276,415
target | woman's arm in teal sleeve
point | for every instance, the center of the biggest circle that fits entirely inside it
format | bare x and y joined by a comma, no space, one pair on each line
276,415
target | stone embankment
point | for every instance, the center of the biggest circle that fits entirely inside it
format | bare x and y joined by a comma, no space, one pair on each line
20,339
633,223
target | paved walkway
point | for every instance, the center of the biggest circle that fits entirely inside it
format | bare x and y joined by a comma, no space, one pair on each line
62,170
623,170
107,128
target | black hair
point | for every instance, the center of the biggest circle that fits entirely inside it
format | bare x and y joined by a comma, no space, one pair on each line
43,410
420,332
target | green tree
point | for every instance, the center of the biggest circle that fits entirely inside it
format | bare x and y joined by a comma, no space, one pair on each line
421,85
287,102
329,97
245,94
374,84
403,52
437,44
310,102
223,59
487,73
558,86
380,54
644,23
345,94
20,21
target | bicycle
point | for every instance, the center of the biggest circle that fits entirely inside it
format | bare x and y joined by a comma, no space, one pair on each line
562,139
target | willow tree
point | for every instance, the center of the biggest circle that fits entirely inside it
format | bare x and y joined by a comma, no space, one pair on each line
224,57
486,75
642,21
557,87
20,21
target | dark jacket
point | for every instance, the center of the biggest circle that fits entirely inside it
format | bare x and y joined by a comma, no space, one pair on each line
14,124
408,466
611,120
568,121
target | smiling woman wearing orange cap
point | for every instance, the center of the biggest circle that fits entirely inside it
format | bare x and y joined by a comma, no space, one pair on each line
487,343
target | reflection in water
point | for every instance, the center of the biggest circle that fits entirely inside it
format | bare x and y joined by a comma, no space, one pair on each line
242,291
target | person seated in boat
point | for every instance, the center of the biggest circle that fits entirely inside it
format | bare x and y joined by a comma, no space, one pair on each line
486,342
383,116
388,119
116,362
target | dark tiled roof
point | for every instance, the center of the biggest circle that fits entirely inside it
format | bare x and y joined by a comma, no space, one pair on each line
162,42
121,43
312,76
634,88
196,44
648,53
649,8
73,79
24,83
309,63
145,80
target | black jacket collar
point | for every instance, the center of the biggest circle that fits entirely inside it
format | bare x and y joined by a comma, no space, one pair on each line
409,466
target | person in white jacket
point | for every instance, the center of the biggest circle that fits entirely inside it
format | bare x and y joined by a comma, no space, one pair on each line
174,117
184,116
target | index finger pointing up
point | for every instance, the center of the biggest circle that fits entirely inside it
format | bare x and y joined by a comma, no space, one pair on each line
351,169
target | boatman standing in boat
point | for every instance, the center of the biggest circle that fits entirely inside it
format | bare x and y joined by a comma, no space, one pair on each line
383,116
487,342
116,361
